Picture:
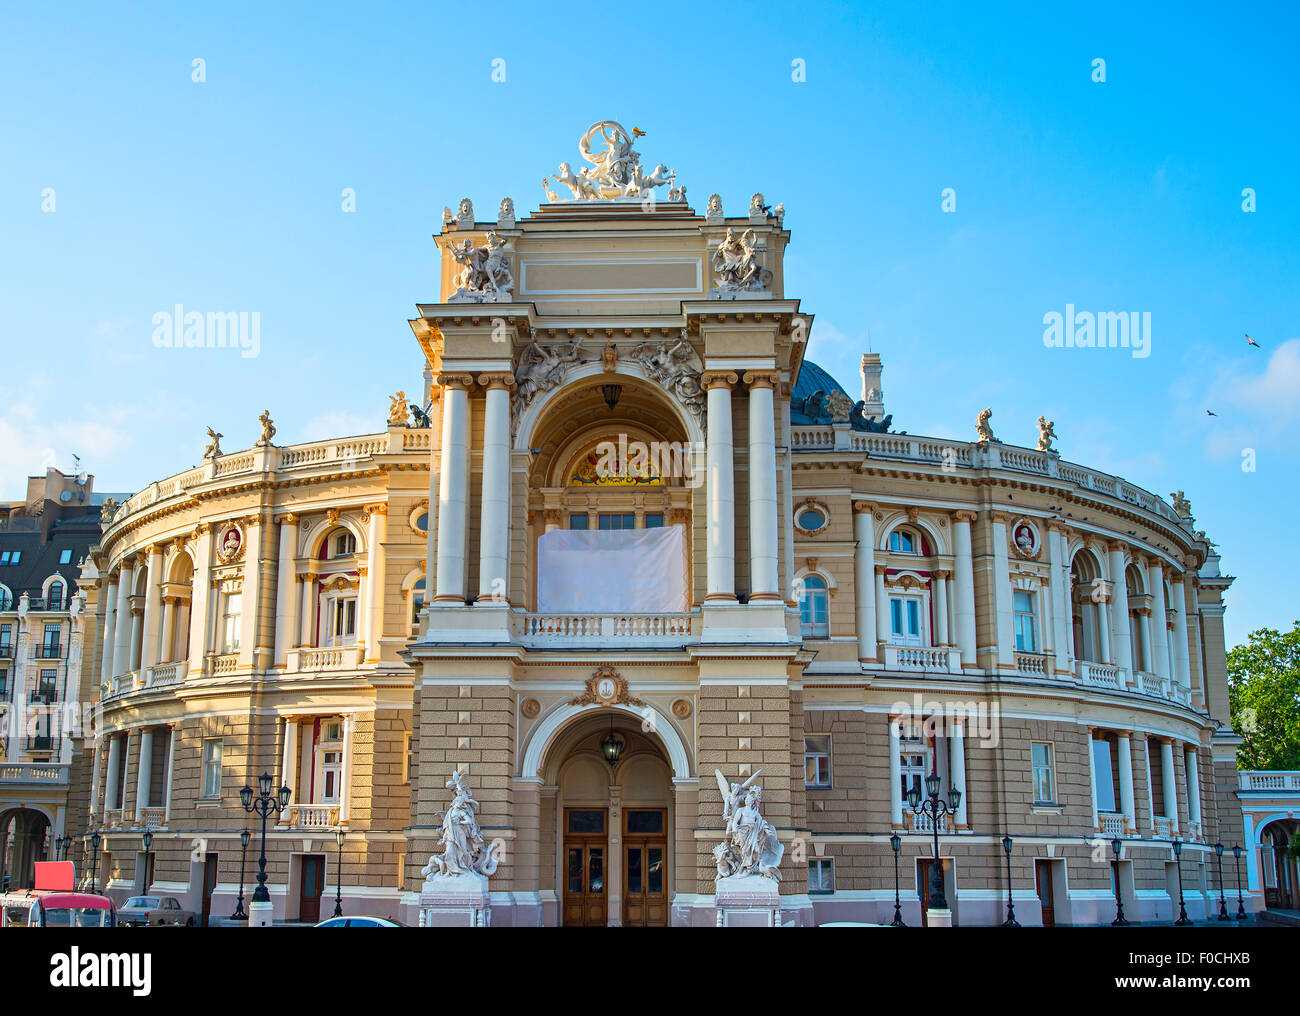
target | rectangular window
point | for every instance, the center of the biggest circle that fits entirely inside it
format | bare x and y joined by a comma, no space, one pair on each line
331,776
616,520
817,761
6,638
1101,773
905,619
65,557
578,521
212,749
47,686
1025,626
4,684
821,875
4,557
654,521
230,623
15,557
1044,780
913,763
342,623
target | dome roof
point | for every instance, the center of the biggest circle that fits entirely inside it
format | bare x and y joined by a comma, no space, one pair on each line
808,400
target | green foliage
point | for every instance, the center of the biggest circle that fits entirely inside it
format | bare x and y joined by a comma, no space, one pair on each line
1264,698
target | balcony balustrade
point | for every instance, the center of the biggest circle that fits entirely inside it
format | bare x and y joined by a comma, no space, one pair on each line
936,659
606,630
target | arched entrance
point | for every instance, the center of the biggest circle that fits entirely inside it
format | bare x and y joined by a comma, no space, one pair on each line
24,840
610,825
1279,870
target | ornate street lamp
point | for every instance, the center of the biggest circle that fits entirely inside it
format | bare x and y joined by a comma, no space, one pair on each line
95,841
894,843
936,809
240,914
1011,921
1117,845
1223,903
263,805
1241,911
1183,919
611,394
338,872
147,839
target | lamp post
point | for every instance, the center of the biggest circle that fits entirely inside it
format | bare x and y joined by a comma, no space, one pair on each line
1011,921
936,808
147,839
1117,845
1241,911
1183,919
240,913
338,875
263,805
1223,903
894,843
95,841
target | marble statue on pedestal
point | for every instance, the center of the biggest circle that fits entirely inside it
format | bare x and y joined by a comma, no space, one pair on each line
464,852
485,275
751,847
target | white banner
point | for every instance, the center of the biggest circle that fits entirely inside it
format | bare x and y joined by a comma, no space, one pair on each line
641,571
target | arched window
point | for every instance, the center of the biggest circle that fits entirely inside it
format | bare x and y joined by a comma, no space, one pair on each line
54,598
902,542
344,544
417,604
814,601
6,598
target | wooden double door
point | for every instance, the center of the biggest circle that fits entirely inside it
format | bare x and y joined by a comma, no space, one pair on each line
644,864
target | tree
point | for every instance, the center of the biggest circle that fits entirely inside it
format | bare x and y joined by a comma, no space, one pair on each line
1264,698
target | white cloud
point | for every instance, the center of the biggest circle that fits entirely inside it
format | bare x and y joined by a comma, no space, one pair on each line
1275,391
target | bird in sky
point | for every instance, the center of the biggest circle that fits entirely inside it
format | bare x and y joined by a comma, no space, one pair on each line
637,132
1211,412
1252,342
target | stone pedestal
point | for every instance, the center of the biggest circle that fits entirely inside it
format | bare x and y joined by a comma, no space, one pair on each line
748,901
259,914
455,901
936,918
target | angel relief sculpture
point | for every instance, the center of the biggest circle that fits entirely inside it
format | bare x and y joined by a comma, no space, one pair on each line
751,846
674,368
736,267
464,851
485,275
540,370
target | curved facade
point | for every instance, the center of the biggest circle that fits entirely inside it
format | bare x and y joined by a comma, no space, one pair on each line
767,578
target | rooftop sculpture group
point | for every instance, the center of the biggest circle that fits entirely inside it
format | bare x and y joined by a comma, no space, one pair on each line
614,171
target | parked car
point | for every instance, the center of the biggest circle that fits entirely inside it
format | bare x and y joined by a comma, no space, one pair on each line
360,922
140,911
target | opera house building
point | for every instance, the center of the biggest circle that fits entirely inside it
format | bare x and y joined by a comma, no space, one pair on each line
623,536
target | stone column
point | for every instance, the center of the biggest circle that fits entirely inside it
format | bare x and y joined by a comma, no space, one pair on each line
1004,615
494,522
1144,638
1102,615
166,640
453,505
144,772
149,654
345,776
941,608
721,556
199,608
1092,775
171,764
1169,781
1059,590
1121,635
1126,804
963,580
764,582
957,769
93,807
310,595
286,589
895,776
110,624
122,632
1181,662
113,795
882,612
864,578
1194,793
250,589
375,577
289,767
1159,640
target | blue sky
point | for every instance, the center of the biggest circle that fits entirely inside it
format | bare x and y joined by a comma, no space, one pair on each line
226,195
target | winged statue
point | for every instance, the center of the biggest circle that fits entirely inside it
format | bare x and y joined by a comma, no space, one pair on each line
751,846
